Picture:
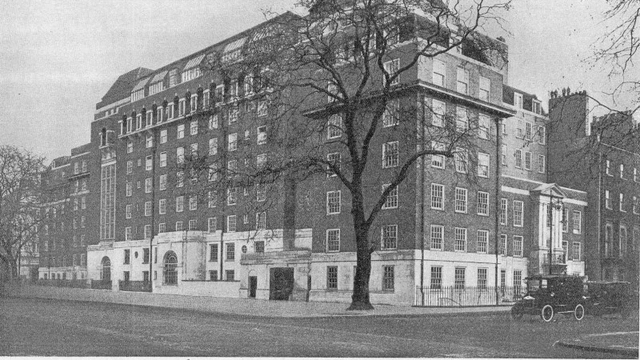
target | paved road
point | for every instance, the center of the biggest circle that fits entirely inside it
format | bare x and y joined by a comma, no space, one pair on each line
40,327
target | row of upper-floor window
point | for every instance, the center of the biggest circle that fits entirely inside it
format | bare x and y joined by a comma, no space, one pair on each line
54,244
54,211
75,224
621,247
65,261
79,167
609,170
134,232
622,203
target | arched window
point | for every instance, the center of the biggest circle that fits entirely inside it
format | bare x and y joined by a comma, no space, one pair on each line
170,268
105,271
103,137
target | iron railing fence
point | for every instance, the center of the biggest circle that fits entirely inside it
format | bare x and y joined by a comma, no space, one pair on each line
140,286
468,296
82,284
101,284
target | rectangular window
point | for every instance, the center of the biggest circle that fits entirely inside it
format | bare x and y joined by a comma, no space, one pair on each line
437,161
193,127
129,167
163,159
460,200
107,202
232,142
391,201
438,110
437,196
261,220
576,251
462,80
518,156
621,203
148,163
334,159
213,146
518,213
621,171
147,231
163,182
636,205
262,135
527,160
390,154
163,136
437,237
127,256
213,275
483,165
213,252
232,196
483,241
149,141
607,199
439,73
461,158
483,203
147,185
193,203
194,150
485,88
231,251
541,164
607,168
231,223
179,203
503,155
129,147
162,206
127,233
565,219
334,126
180,155
147,208
128,211
462,119
577,222
193,224
517,245
484,125
392,67
233,114
391,113
333,240
213,122
482,278
388,278
389,235
459,278
528,132
503,211
332,277
542,133
231,275
436,278
333,202
460,243
180,133
517,279
503,244
212,224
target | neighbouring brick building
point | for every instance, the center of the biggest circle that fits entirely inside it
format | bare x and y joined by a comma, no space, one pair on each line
144,231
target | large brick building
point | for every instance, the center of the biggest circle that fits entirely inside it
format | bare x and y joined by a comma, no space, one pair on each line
146,229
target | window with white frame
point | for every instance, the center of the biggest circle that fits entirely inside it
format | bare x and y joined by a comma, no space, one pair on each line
636,205
162,206
162,227
263,108
193,203
233,114
163,136
332,277
213,122
460,243
261,220
262,135
139,121
621,203
212,199
333,240
180,155
148,185
391,67
503,244
462,81
635,175
438,110
213,146
389,237
128,235
232,142
437,196
460,200
333,202
128,211
621,171
231,223
261,161
528,132
182,107
437,161
148,163
193,127
390,154
517,245
129,147
518,213
436,278
179,203
332,90
461,159
541,164
439,73
482,241
607,199
334,159
391,113
483,203
485,88
129,167
163,182
462,119
482,278
437,237
503,211
180,132
212,224
576,252
542,134
577,222
503,154
163,159
388,278
232,196
518,156
527,160
391,201
334,126
607,168
483,165
194,150
232,167
261,192
484,124
147,208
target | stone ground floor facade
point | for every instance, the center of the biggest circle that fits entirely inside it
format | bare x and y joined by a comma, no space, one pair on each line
264,266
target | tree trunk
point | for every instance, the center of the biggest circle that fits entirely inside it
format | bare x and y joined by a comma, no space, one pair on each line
360,296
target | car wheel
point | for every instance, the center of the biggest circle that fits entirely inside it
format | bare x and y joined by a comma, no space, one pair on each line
578,312
516,314
546,313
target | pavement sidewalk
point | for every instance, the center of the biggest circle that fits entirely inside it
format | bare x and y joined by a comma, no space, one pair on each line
619,343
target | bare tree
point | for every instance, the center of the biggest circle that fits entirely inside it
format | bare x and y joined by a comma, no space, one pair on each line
19,199
334,96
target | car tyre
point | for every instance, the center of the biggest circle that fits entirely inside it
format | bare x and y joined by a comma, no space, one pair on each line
578,312
516,314
546,314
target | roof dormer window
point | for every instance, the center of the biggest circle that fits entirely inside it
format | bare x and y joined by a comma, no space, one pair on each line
192,69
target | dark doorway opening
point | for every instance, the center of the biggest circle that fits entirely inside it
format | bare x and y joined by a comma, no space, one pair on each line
253,286
281,283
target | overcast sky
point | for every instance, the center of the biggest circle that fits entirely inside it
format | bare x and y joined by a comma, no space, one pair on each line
59,57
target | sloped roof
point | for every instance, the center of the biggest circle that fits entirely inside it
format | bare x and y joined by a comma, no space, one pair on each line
550,190
122,87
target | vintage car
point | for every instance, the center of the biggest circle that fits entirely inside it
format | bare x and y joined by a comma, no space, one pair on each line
548,295
610,297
